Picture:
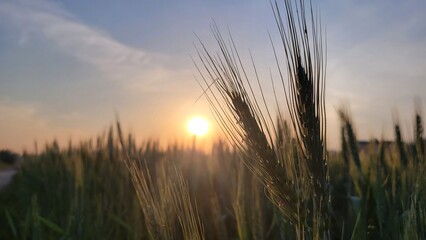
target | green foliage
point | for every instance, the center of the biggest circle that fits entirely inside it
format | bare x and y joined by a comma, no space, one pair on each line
74,193
390,201
8,157
86,192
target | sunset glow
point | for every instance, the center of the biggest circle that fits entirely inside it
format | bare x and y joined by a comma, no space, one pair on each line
65,71
198,126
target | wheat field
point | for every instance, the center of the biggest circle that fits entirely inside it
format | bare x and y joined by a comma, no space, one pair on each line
272,177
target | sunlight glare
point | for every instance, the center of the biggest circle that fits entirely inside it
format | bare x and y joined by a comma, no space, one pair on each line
198,126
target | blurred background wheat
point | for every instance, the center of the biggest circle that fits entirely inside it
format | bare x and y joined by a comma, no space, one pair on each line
270,178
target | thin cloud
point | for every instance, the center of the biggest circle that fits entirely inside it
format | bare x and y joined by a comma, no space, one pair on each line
47,20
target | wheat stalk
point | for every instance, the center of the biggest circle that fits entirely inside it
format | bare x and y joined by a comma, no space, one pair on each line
289,183
164,198
305,93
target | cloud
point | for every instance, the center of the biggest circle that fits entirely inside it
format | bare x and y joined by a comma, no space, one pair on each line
49,21
77,39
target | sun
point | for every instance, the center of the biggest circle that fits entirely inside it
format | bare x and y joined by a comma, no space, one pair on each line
198,126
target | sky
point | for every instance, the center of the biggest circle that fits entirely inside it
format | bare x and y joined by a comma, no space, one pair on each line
68,68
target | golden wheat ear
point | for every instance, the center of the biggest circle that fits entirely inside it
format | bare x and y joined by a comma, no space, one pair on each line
305,85
163,196
297,185
240,117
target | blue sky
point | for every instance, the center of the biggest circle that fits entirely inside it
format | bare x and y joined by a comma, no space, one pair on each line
66,67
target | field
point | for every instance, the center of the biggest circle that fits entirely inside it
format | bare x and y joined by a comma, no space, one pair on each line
271,178
85,191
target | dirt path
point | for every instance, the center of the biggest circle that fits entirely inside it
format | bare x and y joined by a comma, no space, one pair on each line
6,176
